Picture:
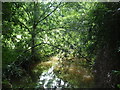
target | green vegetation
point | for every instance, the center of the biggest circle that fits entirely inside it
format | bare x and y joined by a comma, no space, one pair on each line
82,39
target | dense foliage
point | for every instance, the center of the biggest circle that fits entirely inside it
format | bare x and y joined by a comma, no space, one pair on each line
83,36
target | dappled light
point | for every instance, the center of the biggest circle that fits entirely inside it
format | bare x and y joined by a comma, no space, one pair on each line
60,45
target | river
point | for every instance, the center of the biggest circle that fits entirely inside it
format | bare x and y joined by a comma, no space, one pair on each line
50,80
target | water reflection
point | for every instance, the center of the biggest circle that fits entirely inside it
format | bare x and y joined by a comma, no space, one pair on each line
50,80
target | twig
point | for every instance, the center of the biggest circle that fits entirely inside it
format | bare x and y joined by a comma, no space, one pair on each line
24,25
48,14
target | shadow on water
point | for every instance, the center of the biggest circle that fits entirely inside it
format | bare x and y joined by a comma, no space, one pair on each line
73,73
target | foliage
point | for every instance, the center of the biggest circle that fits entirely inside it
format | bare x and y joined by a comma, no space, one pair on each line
73,32
49,29
106,32
75,71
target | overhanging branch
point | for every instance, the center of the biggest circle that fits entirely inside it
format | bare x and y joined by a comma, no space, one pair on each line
47,15
47,44
45,11
24,26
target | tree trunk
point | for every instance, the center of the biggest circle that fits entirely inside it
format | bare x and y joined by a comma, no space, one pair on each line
33,33
33,44
33,58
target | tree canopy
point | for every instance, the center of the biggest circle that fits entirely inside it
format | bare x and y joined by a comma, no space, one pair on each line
84,36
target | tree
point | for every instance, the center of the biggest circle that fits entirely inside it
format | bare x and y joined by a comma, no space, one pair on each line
80,33
106,31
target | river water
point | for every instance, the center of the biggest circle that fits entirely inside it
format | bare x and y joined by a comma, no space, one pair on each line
50,80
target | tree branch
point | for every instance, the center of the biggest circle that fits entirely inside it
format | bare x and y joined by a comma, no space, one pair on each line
24,25
28,14
45,12
48,14
85,58
47,44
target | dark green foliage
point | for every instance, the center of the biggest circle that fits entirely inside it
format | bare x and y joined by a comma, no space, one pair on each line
34,32
107,33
